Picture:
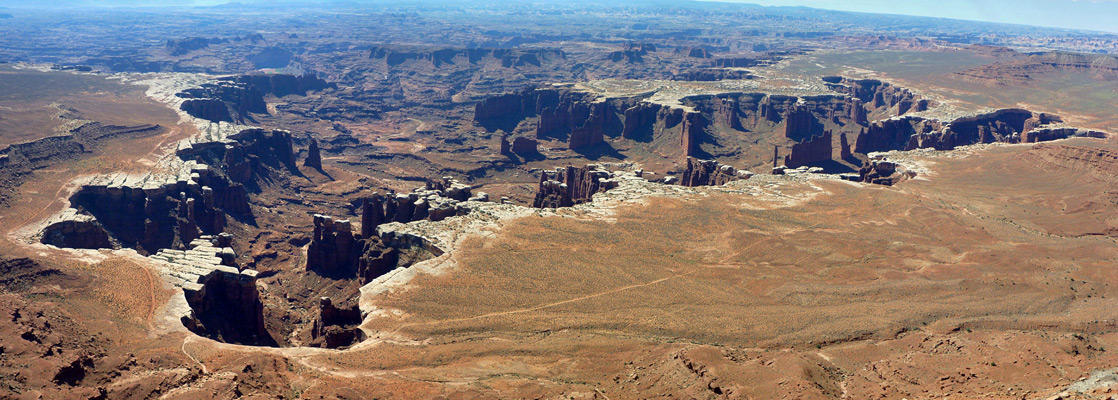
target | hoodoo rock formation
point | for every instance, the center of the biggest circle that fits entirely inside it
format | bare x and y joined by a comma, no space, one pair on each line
709,173
314,156
568,186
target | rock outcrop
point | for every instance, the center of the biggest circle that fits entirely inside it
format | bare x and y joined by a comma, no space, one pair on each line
437,57
631,53
878,94
701,124
1007,125
336,251
20,160
235,99
709,173
314,156
881,173
76,231
815,150
568,186
154,211
247,155
336,327
225,304
148,213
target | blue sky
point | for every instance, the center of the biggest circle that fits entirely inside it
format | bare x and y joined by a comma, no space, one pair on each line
1100,15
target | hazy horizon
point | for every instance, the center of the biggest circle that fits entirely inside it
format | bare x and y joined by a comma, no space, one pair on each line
1097,15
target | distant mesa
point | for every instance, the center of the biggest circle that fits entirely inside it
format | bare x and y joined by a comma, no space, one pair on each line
235,99
394,55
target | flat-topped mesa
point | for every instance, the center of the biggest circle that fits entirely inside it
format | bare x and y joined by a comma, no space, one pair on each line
281,85
247,155
631,53
709,173
811,151
878,94
438,57
568,186
1011,125
234,99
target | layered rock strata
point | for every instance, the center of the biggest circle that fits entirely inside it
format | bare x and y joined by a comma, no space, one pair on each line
234,99
568,186
709,173
1012,125
337,251
224,301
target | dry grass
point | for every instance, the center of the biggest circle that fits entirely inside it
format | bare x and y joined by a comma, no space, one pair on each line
860,262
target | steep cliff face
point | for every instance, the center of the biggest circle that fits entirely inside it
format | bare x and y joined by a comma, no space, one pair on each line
247,157
705,124
20,160
879,95
149,213
708,173
235,99
76,231
568,186
281,85
1006,125
335,326
571,115
158,216
811,151
226,307
314,156
336,251
223,101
